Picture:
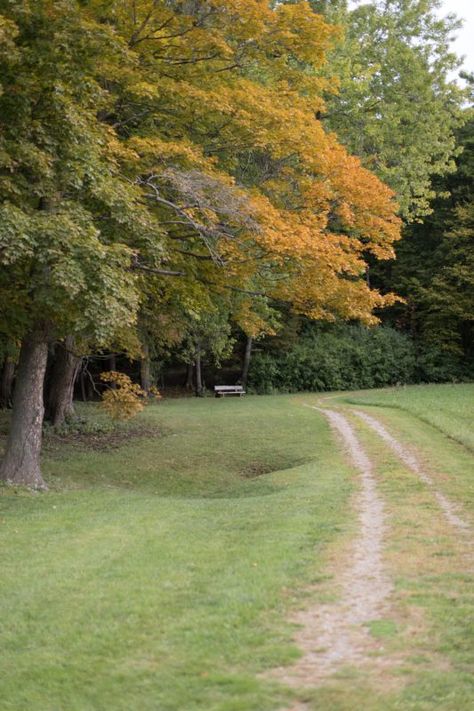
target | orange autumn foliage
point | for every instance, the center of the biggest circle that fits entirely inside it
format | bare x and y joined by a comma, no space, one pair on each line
221,134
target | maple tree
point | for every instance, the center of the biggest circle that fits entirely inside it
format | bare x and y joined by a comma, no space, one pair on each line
178,142
66,210
244,175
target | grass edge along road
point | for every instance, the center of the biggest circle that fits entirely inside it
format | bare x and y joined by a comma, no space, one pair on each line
448,407
116,596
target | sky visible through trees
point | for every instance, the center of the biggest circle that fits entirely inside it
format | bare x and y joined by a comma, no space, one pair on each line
463,44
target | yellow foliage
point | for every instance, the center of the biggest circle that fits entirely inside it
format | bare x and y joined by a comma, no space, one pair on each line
123,399
155,393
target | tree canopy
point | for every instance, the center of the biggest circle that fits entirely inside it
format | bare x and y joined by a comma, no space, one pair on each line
182,137
434,271
398,103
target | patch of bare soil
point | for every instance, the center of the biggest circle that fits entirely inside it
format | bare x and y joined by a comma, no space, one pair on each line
98,441
255,469
449,509
335,635
258,468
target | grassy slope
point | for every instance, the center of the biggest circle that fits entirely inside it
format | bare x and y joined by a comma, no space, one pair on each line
156,576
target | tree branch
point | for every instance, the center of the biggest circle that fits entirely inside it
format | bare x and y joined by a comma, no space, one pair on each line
161,272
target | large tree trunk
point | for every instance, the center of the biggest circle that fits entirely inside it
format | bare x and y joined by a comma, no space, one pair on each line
21,463
246,364
145,370
6,383
59,403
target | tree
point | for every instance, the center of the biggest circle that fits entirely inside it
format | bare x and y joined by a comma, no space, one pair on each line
176,141
63,198
251,192
208,335
60,391
396,106
434,272
8,358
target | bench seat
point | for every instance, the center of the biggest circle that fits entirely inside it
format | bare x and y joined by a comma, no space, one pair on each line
223,390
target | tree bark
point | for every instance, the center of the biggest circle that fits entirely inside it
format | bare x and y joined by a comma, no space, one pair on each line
6,384
21,463
199,388
60,406
145,370
189,376
83,386
246,364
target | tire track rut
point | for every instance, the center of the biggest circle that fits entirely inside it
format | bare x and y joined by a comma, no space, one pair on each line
449,509
336,634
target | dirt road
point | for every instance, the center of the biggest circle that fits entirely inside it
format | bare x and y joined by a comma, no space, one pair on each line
337,635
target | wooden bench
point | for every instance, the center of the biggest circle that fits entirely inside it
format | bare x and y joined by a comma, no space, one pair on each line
223,390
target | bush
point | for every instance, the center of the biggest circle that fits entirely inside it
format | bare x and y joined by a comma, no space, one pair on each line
336,358
437,365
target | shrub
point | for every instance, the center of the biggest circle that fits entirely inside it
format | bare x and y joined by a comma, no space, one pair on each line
336,358
439,365
123,399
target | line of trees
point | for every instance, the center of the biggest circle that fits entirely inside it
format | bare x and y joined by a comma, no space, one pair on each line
173,172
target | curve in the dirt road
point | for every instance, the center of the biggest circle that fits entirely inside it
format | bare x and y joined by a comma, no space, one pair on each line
335,635
449,509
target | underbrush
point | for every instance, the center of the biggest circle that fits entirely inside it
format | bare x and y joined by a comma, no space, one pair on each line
350,357
340,358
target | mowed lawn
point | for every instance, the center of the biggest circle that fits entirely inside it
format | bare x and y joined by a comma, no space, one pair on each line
160,574
449,408
157,575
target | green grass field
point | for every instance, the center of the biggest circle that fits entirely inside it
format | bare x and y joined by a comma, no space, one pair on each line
159,574
449,408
